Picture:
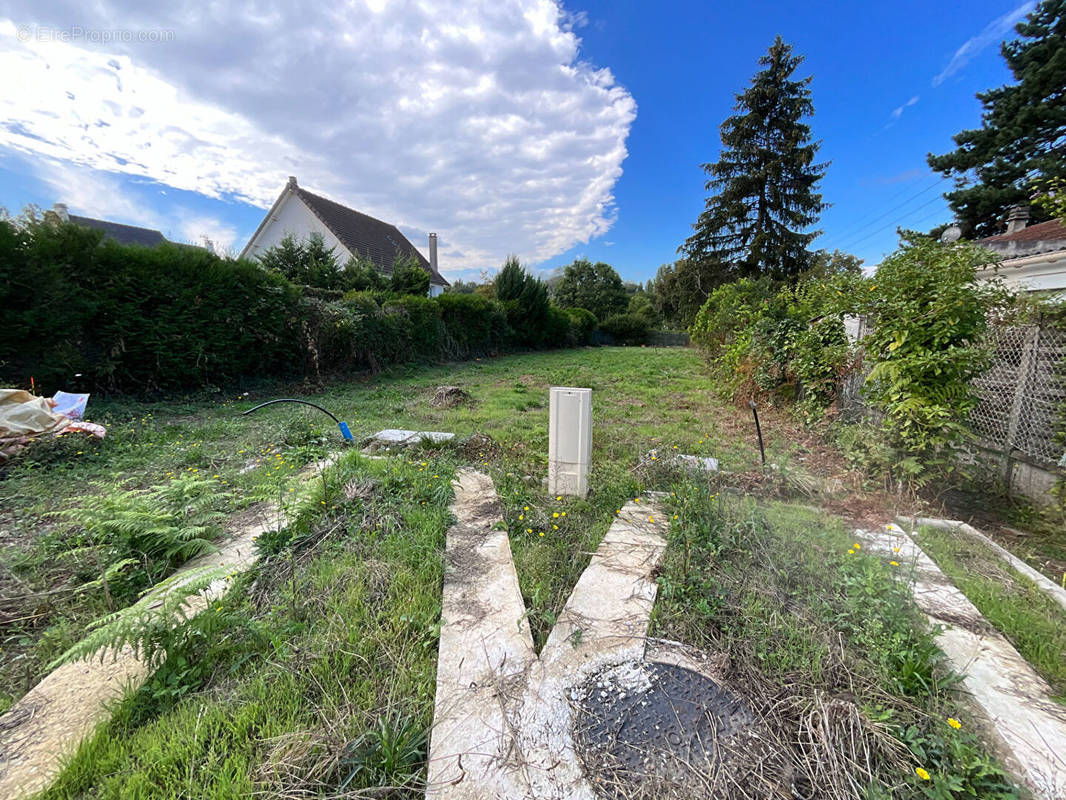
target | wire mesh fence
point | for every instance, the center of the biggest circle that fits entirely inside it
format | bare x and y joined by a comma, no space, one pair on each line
1023,394
1022,397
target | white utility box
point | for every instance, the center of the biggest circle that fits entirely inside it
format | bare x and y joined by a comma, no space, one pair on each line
569,440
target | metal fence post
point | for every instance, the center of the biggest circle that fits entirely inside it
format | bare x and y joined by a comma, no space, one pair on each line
1022,388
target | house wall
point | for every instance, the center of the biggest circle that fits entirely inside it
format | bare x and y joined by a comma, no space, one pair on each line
294,217
1032,273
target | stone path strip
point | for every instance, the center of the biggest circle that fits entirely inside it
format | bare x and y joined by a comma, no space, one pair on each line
502,718
1045,584
1028,727
46,726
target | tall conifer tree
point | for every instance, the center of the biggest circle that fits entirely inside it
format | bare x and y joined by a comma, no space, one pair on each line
1022,139
764,184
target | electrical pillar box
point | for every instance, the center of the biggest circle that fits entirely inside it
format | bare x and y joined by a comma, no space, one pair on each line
569,440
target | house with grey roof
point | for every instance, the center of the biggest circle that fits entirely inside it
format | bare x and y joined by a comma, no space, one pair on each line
300,213
123,234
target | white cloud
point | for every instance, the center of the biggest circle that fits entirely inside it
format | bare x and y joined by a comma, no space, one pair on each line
992,34
898,112
476,120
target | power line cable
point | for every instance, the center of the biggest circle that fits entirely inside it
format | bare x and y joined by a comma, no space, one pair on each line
848,239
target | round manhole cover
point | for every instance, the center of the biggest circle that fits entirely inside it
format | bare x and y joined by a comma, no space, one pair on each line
640,724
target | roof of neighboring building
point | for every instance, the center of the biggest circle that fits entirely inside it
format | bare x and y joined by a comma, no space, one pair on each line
1050,231
360,233
123,234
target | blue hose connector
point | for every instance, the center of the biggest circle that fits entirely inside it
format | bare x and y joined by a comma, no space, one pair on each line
347,434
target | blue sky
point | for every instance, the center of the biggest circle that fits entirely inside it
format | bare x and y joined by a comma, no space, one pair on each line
508,126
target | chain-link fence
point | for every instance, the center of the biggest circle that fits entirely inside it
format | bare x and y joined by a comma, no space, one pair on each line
1022,397
1023,394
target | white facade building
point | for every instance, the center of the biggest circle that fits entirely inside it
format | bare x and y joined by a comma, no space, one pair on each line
300,213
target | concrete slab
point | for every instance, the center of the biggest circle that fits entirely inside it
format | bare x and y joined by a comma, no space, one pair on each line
503,718
1045,584
1029,729
695,463
399,436
485,647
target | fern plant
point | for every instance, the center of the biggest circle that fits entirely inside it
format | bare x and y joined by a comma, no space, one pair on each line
141,535
155,626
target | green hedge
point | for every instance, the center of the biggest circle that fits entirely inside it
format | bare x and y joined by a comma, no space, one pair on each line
136,319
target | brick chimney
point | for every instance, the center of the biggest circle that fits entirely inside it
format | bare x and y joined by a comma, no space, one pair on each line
1017,218
292,182
60,210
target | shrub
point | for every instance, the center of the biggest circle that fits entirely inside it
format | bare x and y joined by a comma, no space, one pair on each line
525,301
421,330
626,328
408,277
790,342
474,324
307,261
138,319
928,314
583,323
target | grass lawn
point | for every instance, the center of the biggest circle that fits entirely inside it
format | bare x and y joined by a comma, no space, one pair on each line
643,398
314,676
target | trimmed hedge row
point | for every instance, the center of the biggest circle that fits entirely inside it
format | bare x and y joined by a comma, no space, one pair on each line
136,319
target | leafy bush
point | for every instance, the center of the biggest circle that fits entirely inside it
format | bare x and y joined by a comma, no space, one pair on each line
583,322
170,318
408,277
474,324
790,341
928,315
305,261
525,301
137,318
626,328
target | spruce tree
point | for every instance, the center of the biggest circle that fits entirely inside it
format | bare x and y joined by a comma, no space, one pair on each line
1022,139
764,201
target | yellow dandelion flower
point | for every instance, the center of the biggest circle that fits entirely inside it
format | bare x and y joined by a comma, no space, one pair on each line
556,514
857,546
524,508
529,530
563,514
542,533
558,497
851,552
954,723
555,527
894,563
521,516
921,773
651,519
